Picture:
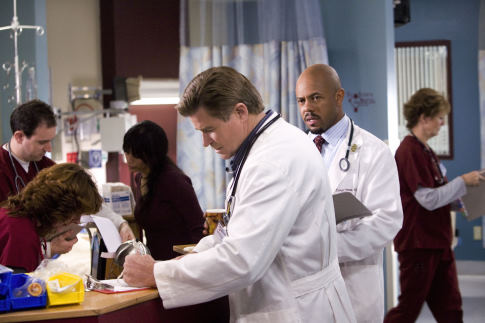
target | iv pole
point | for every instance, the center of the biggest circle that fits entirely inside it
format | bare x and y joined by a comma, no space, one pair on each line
17,30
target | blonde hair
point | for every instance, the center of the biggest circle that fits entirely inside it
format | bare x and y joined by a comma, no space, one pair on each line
427,102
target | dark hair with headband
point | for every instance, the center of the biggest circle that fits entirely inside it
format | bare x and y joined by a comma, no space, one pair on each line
147,141
30,115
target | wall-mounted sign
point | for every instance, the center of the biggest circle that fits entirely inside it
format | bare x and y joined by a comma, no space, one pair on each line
360,99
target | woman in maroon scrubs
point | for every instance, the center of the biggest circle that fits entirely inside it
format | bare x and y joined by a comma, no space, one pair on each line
167,209
57,196
426,261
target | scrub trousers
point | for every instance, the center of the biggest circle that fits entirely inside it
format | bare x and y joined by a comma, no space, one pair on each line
427,275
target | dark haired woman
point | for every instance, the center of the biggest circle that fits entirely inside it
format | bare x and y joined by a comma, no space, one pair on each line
166,208
426,261
166,205
57,196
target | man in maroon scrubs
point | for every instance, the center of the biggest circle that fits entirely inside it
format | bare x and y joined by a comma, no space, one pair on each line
33,127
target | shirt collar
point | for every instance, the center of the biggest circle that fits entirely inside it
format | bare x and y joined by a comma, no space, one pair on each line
239,155
24,164
337,131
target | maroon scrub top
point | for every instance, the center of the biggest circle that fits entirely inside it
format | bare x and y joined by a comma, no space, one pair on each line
20,245
173,216
418,166
7,173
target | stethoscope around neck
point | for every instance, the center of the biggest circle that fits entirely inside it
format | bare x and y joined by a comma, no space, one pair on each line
439,177
232,198
344,163
18,180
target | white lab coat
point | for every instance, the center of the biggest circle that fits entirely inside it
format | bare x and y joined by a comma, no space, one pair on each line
279,260
373,179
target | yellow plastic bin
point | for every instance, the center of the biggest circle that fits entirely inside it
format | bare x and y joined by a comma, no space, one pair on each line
65,288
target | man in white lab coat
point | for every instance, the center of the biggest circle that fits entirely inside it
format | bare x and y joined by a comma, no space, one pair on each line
360,163
276,255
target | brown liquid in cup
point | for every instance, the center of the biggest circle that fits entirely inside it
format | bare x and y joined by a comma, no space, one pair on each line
213,216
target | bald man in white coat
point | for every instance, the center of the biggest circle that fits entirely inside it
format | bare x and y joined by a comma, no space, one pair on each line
371,176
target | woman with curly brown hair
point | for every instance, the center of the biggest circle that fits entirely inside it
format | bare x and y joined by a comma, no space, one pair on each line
426,261
57,196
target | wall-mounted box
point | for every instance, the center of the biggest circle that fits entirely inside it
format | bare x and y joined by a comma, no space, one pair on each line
477,232
113,129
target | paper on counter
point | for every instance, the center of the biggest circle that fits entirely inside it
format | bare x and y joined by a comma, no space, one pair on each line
119,285
110,234
347,207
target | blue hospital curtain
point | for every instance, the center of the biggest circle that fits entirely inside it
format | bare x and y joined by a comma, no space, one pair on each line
269,41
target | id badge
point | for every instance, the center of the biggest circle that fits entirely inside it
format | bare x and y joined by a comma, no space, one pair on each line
220,232
348,183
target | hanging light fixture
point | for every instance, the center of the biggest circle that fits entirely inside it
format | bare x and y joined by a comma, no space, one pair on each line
157,91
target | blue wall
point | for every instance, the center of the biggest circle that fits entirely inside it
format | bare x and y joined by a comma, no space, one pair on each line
32,50
360,48
456,21
360,42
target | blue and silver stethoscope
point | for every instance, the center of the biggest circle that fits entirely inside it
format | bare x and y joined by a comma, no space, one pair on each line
18,180
344,163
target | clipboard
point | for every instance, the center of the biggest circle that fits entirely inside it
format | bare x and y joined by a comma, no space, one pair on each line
347,207
474,202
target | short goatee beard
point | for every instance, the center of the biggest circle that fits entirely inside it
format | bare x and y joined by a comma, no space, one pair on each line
318,131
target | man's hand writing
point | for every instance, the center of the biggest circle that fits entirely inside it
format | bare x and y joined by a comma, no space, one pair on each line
138,271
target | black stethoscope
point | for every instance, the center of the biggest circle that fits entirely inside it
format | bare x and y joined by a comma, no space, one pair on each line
18,180
438,176
344,163
232,198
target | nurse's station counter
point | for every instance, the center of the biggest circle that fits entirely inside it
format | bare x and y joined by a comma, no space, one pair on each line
99,307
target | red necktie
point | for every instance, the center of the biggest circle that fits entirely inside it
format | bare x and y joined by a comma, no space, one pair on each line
319,141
